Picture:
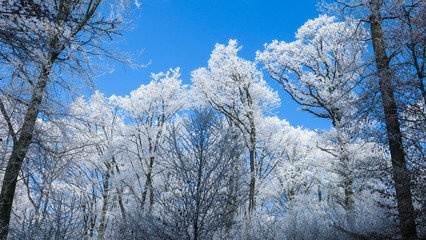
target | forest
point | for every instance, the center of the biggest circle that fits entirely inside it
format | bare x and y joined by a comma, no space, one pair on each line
212,159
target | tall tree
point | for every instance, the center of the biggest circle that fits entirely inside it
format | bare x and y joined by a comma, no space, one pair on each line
200,152
398,42
40,40
320,71
97,132
147,110
197,154
408,38
400,173
235,87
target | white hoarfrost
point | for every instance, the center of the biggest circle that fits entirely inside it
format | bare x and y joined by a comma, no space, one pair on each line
322,67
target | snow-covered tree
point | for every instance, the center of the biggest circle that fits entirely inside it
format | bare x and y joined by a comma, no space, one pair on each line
40,42
97,130
198,154
396,31
48,204
235,87
320,71
147,110
321,68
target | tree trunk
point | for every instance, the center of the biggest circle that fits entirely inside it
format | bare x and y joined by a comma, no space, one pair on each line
252,183
401,175
252,203
231,202
344,167
148,185
105,203
20,149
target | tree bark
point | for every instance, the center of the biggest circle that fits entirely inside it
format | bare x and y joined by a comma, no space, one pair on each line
20,149
252,185
148,182
252,150
344,167
400,173
103,223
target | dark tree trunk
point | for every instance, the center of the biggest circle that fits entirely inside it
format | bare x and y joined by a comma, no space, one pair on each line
20,149
252,185
148,185
401,175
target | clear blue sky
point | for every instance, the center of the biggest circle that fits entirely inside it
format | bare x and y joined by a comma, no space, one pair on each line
182,33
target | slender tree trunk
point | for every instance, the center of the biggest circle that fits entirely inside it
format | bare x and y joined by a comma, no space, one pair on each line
252,203
88,217
231,203
252,150
120,201
148,185
198,190
401,175
20,149
106,194
319,193
252,183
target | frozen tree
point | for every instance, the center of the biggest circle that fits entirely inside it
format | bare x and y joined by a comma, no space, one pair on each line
147,110
198,154
235,87
321,68
298,199
63,220
97,133
407,37
298,171
320,71
40,41
45,187
414,132
397,37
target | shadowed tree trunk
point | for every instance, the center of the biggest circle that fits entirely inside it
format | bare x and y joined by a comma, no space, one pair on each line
400,173
20,149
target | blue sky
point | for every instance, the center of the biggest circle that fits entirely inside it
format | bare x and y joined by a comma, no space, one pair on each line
182,33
